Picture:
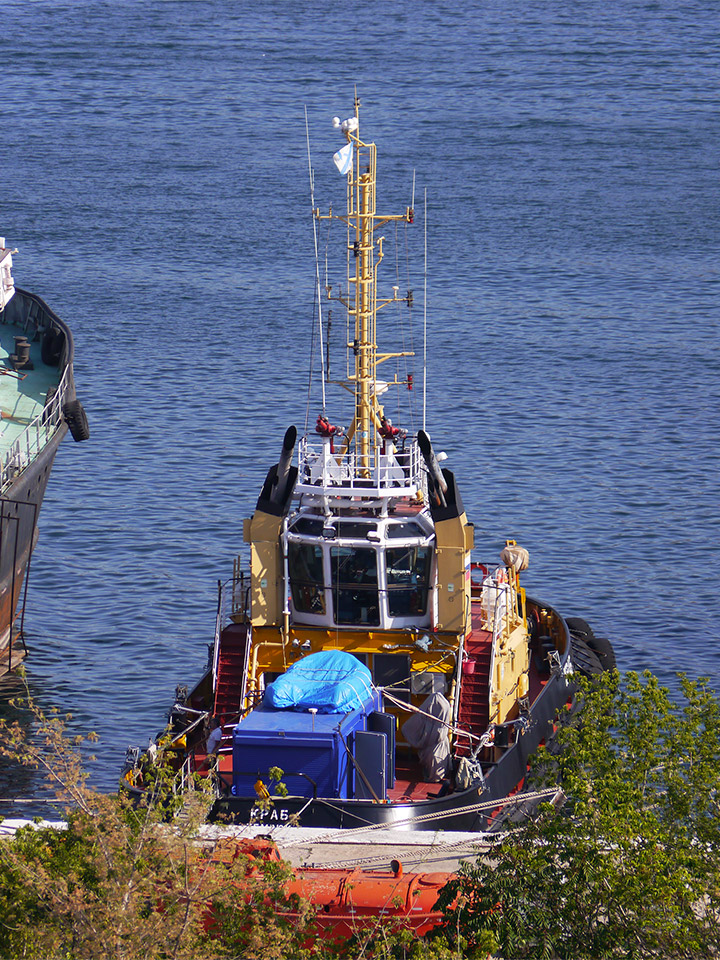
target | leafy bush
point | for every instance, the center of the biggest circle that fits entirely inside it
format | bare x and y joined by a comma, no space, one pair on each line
631,866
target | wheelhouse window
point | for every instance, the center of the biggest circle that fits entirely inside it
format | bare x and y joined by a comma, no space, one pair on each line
354,530
311,526
355,585
404,530
305,566
408,580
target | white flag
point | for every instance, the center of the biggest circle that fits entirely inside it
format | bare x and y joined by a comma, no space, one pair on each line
344,158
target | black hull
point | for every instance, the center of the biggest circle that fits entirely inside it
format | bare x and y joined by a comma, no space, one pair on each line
22,499
19,510
464,810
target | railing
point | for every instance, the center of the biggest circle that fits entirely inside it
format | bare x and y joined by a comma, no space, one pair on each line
36,435
503,610
325,471
498,600
498,616
233,603
239,595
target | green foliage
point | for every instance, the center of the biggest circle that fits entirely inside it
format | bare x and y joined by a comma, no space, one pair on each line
121,882
631,866
262,922
265,800
158,773
388,941
276,774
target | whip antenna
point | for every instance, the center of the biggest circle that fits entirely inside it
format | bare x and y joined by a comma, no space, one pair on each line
425,322
317,261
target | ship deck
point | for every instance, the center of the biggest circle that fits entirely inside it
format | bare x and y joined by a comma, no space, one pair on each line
22,393
409,785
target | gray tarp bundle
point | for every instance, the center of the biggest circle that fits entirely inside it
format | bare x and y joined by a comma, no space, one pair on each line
428,732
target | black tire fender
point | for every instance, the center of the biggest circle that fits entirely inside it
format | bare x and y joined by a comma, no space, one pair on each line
578,626
601,647
77,420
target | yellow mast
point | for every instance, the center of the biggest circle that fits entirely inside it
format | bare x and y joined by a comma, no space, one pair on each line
366,251
362,188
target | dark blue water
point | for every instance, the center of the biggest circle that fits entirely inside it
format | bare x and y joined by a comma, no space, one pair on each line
155,182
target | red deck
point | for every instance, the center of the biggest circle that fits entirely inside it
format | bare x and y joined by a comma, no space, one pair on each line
409,783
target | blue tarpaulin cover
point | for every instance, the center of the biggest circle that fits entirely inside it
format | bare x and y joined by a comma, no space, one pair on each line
331,681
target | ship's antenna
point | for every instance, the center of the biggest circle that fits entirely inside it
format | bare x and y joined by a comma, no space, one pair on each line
317,262
425,323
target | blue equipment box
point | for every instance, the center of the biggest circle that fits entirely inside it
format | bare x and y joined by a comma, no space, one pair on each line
312,753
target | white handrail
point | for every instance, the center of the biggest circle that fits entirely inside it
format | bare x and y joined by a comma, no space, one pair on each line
504,595
26,447
391,474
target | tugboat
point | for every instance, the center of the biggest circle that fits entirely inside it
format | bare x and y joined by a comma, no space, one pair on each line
38,406
384,675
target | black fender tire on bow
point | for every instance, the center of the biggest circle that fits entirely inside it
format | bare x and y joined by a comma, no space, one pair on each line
601,647
77,420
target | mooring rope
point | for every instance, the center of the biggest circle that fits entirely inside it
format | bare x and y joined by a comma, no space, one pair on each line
348,833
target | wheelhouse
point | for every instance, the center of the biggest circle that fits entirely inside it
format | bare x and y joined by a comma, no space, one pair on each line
344,572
